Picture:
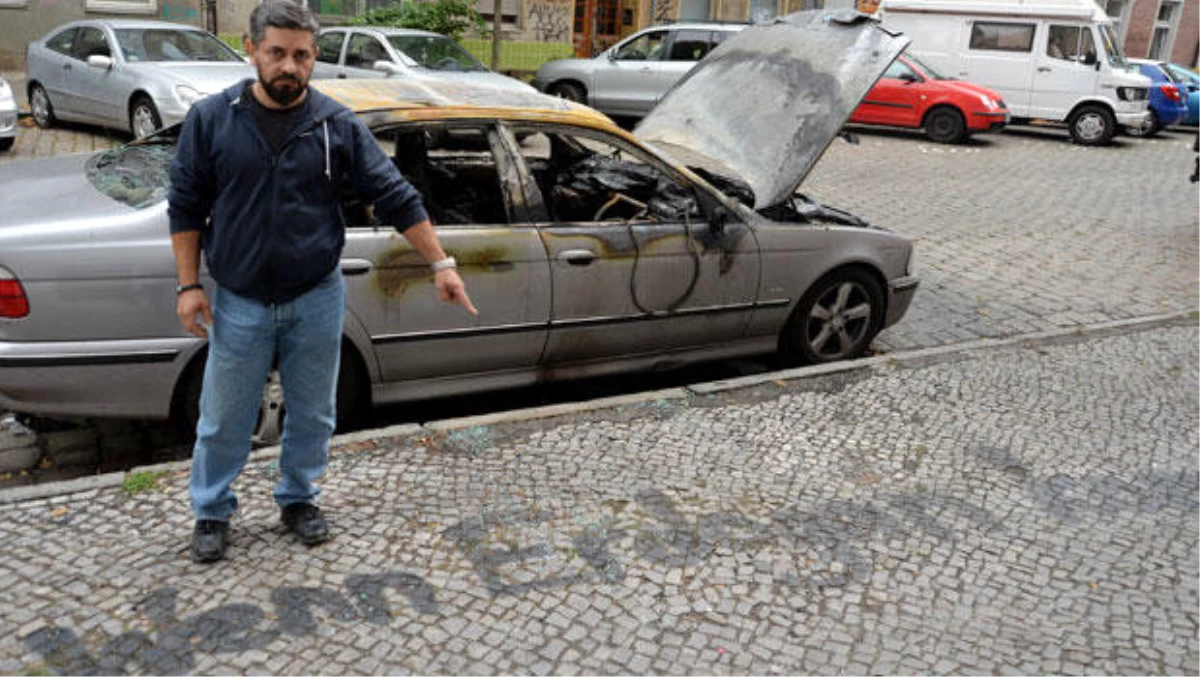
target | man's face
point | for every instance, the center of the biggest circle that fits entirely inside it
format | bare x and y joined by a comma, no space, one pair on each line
284,60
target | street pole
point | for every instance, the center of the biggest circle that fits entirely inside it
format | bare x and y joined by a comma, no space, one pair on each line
497,9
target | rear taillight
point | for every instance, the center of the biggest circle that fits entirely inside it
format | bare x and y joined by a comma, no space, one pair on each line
13,302
1171,92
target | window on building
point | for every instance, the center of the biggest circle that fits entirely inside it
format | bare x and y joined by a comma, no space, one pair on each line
1164,29
695,10
123,6
763,10
510,11
1002,37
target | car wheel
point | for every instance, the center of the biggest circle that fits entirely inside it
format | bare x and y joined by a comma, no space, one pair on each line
143,117
836,319
569,91
7,142
1148,128
39,104
1092,126
945,125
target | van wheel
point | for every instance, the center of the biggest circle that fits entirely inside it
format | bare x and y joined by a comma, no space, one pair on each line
1092,126
568,91
945,125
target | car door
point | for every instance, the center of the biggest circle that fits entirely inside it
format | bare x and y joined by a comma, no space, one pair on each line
503,263
97,92
53,68
1066,70
637,266
895,99
329,55
362,51
685,47
628,79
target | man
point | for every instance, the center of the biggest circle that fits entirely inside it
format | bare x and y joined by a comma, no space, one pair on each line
255,184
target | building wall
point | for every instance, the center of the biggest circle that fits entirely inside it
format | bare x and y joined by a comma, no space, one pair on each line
1186,49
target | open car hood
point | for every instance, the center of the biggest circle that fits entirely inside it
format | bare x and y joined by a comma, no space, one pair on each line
767,102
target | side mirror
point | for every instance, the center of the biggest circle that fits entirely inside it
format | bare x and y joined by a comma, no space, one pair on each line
717,219
907,78
100,61
1088,59
388,67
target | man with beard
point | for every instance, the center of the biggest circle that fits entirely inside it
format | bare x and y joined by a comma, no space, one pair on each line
255,185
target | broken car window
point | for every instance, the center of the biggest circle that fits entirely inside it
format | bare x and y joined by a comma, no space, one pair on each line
454,169
137,174
589,178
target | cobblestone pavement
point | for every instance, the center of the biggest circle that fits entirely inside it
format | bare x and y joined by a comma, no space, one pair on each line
1024,508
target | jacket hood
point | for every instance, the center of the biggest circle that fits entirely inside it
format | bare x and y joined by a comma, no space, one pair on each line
766,104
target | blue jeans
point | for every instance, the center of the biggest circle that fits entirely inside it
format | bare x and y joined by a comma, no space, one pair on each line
243,342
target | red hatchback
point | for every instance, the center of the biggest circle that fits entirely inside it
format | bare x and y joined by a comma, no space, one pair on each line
911,94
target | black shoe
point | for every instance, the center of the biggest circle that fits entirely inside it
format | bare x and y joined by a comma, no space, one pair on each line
209,540
306,521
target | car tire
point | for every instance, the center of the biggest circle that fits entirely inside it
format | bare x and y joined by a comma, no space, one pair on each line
1151,127
144,119
7,142
945,125
1092,126
352,399
569,91
40,106
836,319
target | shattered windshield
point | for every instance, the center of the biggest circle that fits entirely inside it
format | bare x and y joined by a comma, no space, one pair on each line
136,174
435,52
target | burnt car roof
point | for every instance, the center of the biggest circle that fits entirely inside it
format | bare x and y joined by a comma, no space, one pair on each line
402,100
768,101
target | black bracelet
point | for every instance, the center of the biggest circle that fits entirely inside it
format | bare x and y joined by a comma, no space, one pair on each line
180,288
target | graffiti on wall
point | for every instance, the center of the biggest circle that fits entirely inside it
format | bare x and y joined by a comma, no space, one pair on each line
550,20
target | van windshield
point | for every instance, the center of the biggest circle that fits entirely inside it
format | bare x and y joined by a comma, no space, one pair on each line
1113,48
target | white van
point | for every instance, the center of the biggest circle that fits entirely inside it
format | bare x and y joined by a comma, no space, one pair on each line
1050,59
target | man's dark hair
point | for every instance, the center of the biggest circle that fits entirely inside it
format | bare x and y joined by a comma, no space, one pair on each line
281,14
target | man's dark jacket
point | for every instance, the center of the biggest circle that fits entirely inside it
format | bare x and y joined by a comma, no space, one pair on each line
271,225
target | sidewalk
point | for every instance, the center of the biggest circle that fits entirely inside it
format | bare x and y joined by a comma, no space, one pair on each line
1025,506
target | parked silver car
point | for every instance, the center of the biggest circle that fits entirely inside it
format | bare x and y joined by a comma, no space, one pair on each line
377,52
8,115
132,75
630,77
587,250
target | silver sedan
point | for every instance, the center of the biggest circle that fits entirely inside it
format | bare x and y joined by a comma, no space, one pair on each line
132,75
587,249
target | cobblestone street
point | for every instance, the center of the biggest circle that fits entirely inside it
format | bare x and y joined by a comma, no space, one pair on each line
1026,508
1011,486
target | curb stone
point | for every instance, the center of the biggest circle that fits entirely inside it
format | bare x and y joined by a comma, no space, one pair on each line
115,479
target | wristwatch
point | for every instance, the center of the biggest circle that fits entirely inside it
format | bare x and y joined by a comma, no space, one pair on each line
445,263
180,288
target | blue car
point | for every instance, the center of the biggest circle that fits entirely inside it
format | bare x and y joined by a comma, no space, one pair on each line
1188,79
1168,101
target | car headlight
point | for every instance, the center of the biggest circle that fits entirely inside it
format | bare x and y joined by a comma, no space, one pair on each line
988,102
911,267
188,95
6,93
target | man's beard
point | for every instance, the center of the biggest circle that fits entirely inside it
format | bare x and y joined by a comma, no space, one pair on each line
287,94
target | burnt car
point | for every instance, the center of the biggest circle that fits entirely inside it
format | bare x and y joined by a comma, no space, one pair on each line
587,249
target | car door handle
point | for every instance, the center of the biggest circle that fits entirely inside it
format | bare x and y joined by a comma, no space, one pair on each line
355,266
577,257
1044,69
342,76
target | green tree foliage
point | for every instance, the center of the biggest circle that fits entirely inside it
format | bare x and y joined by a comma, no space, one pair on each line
448,17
